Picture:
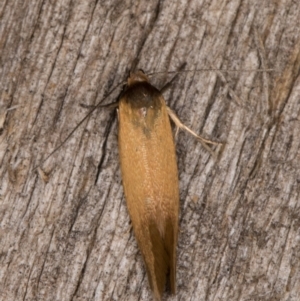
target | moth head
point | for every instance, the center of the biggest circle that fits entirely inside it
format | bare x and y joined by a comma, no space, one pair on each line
137,77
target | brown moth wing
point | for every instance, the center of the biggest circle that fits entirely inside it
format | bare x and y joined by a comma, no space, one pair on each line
150,179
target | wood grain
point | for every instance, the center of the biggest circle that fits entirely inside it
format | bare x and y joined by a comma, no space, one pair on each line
69,238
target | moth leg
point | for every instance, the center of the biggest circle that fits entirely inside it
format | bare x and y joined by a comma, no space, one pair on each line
167,85
180,125
3,114
130,228
44,176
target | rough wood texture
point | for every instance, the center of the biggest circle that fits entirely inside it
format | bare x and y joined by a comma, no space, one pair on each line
69,238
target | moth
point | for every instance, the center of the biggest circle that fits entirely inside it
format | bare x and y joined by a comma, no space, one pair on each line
149,175
150,178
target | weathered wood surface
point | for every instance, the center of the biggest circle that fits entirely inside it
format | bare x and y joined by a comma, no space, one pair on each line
69,238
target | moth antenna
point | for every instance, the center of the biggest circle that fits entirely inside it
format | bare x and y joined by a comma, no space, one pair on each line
212,69
98,105
167,85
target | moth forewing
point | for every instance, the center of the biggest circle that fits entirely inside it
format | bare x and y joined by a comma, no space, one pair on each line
150,178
